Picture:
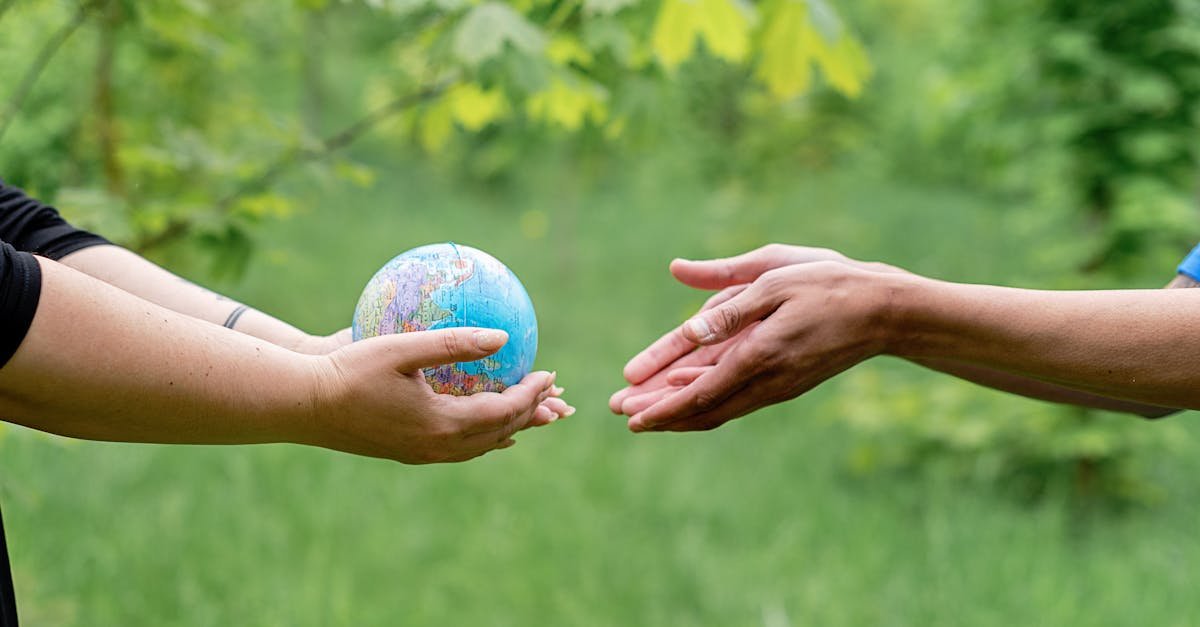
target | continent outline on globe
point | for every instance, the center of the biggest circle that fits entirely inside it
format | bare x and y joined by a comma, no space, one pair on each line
452,285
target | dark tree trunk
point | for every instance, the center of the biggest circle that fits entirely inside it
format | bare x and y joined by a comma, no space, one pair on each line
103,99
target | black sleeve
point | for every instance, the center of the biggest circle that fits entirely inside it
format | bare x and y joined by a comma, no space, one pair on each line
20,289
34,227
21,286
28,226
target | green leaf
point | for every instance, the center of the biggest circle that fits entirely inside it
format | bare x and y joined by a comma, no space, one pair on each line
267,204
486,29
723,25
566,49
568,103
787,44
435,126
845,65
791,41
360,175
675,32
473,107
825,19
726,28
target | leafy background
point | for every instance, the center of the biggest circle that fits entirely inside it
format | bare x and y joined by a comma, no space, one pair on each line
282,151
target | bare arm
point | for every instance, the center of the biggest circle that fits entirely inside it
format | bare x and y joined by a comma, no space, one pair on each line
1127,344
799,325
788,318
130,272
648,372
1041,390
1044,390
100,363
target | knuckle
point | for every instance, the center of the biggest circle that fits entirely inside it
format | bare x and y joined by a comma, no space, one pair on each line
772,249
451,343
705,400
758,352
511,413
446,430
726,272
773,279
729,317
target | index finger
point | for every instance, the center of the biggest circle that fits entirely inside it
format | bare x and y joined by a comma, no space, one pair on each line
707,392
672,345
663,351
705,356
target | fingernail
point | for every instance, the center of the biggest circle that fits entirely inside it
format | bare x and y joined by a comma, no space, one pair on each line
490,339
570,411
700,329
558,390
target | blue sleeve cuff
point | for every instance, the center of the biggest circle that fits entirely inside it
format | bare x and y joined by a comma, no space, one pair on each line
1191,265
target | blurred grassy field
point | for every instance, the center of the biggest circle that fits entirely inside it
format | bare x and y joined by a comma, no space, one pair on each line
582,523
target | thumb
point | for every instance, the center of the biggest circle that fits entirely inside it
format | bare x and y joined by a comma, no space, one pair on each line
424,349
727,319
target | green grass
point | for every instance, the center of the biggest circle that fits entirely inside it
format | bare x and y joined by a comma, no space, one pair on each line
583,523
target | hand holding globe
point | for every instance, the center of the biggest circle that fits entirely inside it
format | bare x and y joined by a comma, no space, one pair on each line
448,285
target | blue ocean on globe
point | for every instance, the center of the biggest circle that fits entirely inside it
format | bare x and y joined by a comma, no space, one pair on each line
451,285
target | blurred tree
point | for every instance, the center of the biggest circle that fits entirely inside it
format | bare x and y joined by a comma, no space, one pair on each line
1083,111
1121,85
186,136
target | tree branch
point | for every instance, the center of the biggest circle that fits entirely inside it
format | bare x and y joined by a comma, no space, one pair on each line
289,159
49,49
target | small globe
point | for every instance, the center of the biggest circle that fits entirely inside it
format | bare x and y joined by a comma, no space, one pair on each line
450,285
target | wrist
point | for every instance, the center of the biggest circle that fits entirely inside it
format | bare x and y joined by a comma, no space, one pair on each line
305,344
907,303
304,395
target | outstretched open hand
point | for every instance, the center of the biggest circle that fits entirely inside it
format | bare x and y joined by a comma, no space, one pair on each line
786,319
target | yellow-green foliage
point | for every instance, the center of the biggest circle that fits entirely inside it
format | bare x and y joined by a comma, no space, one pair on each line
941,425
191,147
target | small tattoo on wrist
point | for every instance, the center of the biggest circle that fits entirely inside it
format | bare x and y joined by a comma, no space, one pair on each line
234,315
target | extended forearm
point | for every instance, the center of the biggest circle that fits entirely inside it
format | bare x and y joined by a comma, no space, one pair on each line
1036,388
1044,390
99,363
1131,345
132,273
